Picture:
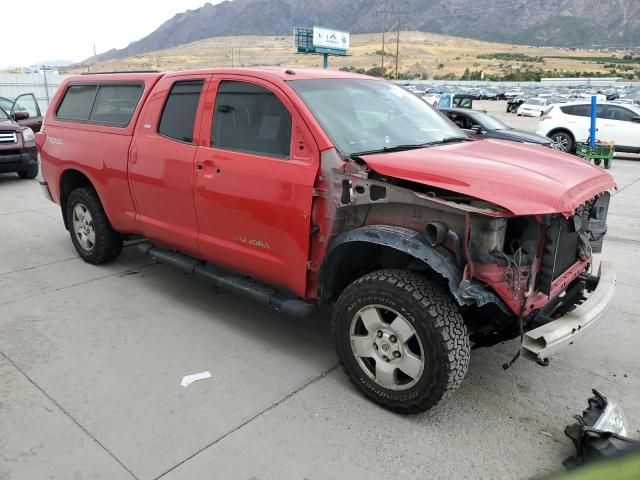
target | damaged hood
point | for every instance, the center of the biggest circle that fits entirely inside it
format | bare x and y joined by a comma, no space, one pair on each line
524,179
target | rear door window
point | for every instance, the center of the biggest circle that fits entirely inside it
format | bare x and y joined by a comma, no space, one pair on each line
614,112
179,114
249,118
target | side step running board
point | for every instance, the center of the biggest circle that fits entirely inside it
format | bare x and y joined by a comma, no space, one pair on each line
241,284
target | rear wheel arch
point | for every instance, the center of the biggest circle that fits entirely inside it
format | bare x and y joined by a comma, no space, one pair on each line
71,180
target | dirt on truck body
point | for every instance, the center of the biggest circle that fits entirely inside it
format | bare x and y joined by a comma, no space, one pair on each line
302,188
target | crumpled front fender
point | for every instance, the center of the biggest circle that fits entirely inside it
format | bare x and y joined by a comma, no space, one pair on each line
408,241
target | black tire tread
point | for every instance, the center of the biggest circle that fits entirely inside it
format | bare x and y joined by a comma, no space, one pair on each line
30,173
108,242
445,317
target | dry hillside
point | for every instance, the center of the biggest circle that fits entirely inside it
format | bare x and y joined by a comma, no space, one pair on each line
420,53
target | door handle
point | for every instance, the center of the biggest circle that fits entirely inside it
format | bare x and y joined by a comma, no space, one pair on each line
208,167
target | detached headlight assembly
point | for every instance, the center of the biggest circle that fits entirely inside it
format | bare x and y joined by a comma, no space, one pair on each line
28,135
612,420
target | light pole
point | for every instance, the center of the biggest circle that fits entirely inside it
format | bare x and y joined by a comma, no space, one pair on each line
44,69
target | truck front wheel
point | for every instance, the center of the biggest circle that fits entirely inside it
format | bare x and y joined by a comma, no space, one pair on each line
401,340
91,233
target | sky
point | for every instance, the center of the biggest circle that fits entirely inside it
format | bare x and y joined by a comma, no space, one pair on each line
67,29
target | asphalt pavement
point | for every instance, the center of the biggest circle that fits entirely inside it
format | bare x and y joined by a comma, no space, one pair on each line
91,360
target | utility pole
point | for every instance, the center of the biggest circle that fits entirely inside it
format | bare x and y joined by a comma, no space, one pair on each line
94,50
397,47
44,69
383,11
232,61
384,29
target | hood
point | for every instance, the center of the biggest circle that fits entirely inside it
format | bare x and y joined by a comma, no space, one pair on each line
521,136
9,125
524,179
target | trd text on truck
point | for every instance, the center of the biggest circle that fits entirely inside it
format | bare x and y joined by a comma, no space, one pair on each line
302,188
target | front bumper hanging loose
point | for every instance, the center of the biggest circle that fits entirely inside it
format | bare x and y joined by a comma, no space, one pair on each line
541,343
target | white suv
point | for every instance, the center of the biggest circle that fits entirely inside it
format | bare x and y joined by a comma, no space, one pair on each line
569,122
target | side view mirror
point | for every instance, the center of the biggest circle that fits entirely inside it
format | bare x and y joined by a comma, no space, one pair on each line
636,119
20,116
478,129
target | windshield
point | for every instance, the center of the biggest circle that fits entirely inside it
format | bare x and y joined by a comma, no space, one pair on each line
3,115
488,121
6,104
537,101
370,115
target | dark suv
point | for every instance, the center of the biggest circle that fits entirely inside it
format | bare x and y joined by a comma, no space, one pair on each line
18,151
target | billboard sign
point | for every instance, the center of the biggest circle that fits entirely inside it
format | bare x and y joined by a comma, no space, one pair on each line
326,38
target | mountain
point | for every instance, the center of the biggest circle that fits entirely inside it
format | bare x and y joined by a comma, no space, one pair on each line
54,63
571,23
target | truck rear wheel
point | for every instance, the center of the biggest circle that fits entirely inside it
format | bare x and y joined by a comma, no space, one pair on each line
91,233
401,340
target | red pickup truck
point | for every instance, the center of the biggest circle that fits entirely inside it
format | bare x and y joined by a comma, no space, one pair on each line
302,188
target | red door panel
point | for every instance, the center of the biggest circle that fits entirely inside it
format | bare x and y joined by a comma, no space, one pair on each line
161,174
253,209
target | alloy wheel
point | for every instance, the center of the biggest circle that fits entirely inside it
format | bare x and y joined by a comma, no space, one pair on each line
83,227
387,347
560,142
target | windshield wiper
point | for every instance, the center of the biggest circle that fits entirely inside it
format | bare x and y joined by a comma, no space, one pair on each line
396,148
448,140
400,148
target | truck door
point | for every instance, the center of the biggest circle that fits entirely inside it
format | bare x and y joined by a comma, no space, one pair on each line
161,162
254,182
27,103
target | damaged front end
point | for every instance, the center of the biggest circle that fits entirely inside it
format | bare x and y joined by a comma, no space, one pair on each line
512,274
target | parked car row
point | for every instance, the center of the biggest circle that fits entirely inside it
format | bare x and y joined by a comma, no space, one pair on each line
561,125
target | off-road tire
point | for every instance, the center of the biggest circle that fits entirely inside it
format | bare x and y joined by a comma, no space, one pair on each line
108,244
30,173
437,322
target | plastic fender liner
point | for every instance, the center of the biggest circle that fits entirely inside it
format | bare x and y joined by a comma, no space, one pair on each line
412,243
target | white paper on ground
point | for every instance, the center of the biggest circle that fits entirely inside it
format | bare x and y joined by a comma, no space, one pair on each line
189,379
